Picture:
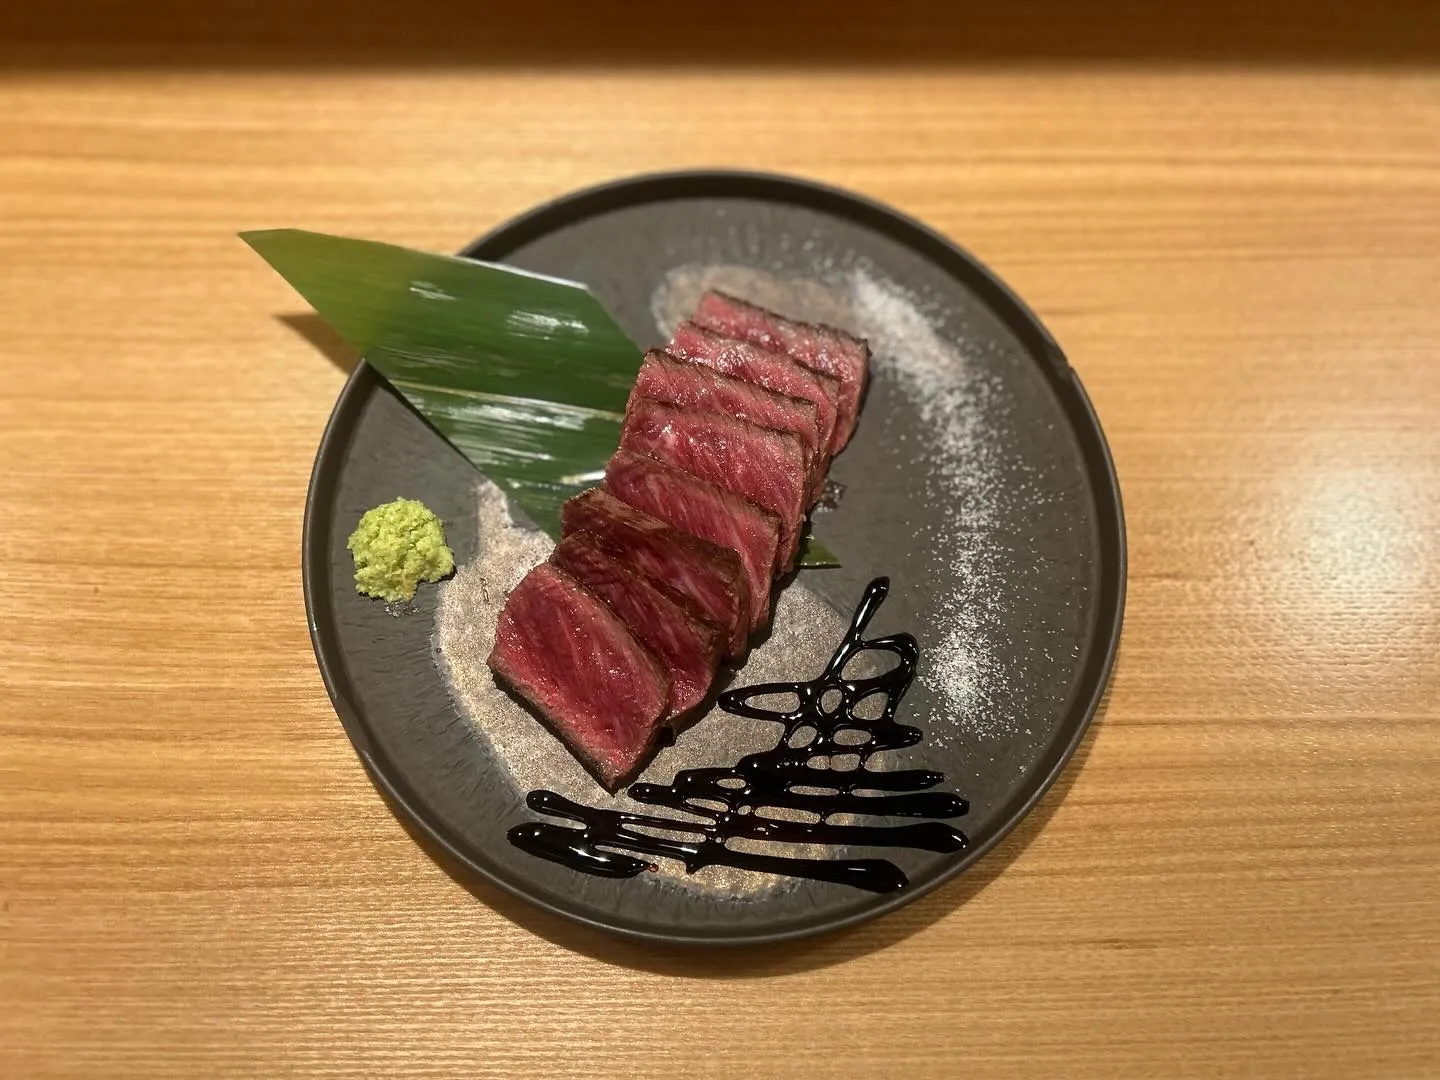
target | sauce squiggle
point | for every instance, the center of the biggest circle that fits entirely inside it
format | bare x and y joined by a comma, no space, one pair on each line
824,719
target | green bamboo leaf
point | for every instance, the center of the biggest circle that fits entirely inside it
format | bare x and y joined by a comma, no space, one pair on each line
540,452
458,323
813,554
525,375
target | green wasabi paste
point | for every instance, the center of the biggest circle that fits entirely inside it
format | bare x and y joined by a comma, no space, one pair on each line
397,546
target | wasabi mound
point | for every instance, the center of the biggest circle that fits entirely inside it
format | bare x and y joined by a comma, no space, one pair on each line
397,546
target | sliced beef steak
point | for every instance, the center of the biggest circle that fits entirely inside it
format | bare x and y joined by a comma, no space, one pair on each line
674,381
821,348
767,467
705,510
564,651
707,575
773,370
687,644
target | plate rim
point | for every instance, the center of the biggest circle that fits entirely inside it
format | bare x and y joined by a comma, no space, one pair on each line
1017,316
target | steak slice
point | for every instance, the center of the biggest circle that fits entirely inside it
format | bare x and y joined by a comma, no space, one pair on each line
767,467
821,348
773,370
663,377
570,656
707,575
705,510
687,644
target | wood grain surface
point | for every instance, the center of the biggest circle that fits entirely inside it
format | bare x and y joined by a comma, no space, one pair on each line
1239,875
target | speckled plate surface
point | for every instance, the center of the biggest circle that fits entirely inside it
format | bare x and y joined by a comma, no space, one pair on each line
978,481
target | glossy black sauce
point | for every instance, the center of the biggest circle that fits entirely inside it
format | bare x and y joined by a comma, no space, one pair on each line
820,720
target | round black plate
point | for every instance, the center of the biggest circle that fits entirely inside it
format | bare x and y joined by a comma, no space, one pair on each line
1047,620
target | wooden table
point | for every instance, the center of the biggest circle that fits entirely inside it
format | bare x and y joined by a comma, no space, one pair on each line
1239,875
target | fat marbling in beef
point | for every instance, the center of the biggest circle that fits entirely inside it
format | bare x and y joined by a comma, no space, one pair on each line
563,649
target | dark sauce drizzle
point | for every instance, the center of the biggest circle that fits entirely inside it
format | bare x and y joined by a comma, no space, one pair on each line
795,776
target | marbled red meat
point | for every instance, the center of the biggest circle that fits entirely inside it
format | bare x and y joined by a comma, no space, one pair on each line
563,649
709,576
773,370
687,644
668,568
705,510
675,381
767,467
820,348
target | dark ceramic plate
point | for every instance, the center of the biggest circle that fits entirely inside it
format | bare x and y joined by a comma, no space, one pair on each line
1020,562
